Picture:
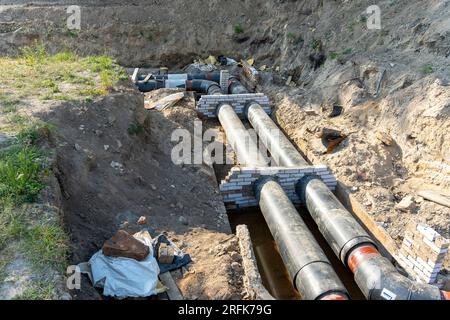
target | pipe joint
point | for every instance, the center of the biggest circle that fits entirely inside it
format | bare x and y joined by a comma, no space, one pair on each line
259,184
300,186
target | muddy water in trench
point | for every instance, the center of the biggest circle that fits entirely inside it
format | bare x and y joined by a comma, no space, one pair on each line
274,275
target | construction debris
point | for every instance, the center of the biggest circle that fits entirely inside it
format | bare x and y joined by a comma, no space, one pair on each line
384,138
422,252
166,102
436,197
407,204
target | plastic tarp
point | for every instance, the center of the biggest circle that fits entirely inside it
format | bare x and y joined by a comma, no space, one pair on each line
123,277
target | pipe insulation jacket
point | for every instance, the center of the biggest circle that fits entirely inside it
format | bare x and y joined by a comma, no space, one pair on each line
311,271
281,149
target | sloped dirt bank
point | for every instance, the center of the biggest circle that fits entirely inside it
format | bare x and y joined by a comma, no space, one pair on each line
114,166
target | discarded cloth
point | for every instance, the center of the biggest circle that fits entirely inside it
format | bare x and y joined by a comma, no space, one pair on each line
180,259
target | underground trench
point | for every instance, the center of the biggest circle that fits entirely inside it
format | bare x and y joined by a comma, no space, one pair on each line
312,274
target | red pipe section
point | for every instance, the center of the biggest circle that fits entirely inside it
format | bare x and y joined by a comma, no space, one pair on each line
361,254
335,297
446,295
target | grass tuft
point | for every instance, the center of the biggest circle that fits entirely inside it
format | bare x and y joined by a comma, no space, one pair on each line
39,290
135,128
46,245
20,168
238,29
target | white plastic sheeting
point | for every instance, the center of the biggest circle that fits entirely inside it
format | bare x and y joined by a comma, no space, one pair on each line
123,277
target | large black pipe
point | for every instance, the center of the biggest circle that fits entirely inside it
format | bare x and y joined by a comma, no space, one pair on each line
235,87
242,142
308,266
374,274
334,221
203,86
281,149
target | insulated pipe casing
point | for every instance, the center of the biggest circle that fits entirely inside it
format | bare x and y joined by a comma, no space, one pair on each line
281,149
337,225
308,266
235,87
240,139
203,86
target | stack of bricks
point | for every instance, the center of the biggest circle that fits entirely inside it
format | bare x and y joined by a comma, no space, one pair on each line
422,253
207,105
224,81
238,187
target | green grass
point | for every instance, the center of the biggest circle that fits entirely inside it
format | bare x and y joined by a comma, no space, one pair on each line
8,104
135,128
40,290
333,55
12,226
46,245
238,29
21,172
427,69
315,44
20,168
72,33
295,38
38,74
347,51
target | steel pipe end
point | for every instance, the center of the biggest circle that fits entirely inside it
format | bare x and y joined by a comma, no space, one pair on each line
220,105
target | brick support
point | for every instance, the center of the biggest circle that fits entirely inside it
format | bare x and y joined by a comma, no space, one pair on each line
207,105
238,187
422,252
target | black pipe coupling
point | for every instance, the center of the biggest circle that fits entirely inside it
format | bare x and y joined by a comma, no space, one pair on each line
259,184
300,186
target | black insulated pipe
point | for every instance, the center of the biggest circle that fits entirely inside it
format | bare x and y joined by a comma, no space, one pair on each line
149,85
281,149
203,86
334,221
235,87
307,264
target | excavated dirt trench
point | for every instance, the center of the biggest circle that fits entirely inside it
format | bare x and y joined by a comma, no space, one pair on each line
411,108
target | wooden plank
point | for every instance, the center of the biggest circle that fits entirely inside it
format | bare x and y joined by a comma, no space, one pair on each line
379,233
173,292
436,197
